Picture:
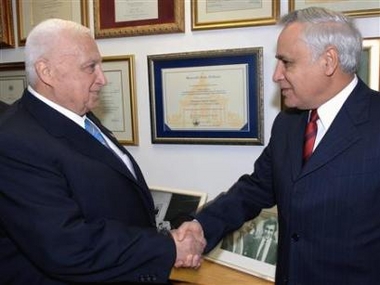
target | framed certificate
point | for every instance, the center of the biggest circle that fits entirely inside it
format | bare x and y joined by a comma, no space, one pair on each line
219,14
212,97
12,81
117,109
369,68
114,18
32,12
349,7
7,39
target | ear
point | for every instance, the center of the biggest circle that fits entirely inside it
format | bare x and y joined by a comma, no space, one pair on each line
43,71
331,62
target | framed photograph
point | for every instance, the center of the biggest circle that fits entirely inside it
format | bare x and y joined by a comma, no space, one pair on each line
32,12
135,18
219,14
12,81
211,97
173,206
352,8
117,109
252,248
7,39
369,69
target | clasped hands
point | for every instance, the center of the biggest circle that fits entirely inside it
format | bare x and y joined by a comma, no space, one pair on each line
190,243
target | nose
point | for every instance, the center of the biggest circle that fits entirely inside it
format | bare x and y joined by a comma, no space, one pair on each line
278,73
101,78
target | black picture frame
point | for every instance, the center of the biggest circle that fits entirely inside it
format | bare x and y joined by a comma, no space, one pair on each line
207,97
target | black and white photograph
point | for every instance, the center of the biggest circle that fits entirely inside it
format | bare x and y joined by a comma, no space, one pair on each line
174,206
252,248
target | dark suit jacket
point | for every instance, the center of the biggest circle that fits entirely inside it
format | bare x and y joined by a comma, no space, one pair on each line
70,210
329,222
3,107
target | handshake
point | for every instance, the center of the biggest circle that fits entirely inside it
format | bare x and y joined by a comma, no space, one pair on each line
190,243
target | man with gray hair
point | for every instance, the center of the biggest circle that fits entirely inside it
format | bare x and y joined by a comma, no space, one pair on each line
74,205
321,167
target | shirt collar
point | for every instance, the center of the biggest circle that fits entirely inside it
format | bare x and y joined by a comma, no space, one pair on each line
328,111
66,112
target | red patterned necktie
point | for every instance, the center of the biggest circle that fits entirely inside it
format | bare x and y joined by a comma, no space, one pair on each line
310,135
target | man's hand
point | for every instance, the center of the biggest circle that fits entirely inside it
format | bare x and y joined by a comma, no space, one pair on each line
190,244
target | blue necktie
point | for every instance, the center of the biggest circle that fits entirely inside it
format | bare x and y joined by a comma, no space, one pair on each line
94,131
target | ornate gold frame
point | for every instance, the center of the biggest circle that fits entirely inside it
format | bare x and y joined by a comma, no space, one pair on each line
363,8
233,18
7,39
149,27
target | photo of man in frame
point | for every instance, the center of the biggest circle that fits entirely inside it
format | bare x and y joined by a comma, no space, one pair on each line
256,239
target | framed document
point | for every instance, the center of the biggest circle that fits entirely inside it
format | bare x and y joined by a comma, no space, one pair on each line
369,69
12,81
32,12
173,206
212,97
352,8
117,109
252,248
7,39
218,14
114,18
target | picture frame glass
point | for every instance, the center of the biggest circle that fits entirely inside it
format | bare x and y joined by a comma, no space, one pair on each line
349,7
212,97
231,14
252,248
174,206
13,81
32,12
369,68
134,18
117,108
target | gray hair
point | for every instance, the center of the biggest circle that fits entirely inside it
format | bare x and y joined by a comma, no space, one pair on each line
328,28
43,39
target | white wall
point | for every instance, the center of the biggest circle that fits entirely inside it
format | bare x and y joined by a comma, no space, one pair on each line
207,168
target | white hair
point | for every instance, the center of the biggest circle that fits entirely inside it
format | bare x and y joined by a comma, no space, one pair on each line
329,28
43,39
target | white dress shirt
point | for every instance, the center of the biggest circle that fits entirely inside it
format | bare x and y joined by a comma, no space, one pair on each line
328,111
80,121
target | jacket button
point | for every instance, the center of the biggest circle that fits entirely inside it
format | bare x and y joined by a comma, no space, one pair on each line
295,237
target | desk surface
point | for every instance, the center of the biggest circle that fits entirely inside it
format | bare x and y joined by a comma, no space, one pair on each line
211,273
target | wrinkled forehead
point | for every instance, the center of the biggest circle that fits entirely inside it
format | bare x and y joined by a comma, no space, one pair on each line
82,47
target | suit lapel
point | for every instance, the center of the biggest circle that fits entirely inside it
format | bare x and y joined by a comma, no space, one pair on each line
140,178
110,136
296,138
339,137
61,127
343,132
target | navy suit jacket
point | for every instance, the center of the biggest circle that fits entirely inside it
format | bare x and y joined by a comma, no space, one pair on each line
70,210
328,210
3,107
